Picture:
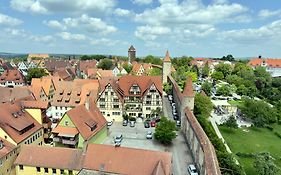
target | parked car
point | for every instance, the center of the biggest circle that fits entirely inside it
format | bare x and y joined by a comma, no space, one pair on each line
192,170
109,123
118,138
170,97
157,119
176,117
125,122
132,123
117,144
149,135
146,125
173,104
152,123
178,123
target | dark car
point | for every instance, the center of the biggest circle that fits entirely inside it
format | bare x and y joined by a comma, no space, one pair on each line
125,123
146,125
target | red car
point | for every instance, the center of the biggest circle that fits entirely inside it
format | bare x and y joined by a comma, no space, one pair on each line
152,123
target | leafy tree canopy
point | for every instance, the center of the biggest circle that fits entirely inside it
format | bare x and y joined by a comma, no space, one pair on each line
202,105
35,73
207,88
165,131
153,60
225,69
92,57
105,64
264,165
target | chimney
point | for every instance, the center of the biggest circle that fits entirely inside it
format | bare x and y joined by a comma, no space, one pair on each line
259,56
87,104
1,144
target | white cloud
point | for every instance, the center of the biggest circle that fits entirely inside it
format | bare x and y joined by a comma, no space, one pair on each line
42,38
69,6
171,12
269,13
33,6
9,21
123,12
151,32
105,42
55,24
70,36
264,33
142,2
90,24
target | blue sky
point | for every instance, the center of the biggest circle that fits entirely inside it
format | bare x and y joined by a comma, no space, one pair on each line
199,28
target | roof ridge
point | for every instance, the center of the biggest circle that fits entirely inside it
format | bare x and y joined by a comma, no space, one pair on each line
188,88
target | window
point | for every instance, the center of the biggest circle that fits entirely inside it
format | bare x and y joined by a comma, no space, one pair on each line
102,106
116,100
148,96
54,171
21,167
157,96
106,93
148,102
66,123
157,102
70,172
38,169
115,106
46,170
112,93
148,108
102,99
61,171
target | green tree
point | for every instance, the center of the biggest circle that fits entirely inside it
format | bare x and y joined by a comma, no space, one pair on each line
105,64
217,75
92,57
167,88
264,164
127,67
224,90
242,90
205,71
231,122
263,78
202,105
260,112
153,60
165,131
234,79
193,75
225,69
155,72
228,58
35,73
207,88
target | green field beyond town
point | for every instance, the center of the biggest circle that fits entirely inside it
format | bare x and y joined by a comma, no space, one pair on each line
253,140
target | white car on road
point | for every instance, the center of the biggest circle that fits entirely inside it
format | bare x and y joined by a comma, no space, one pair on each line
192,170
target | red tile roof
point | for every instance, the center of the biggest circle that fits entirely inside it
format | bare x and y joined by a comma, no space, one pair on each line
65,131
34,104
123,160
84,119
9,94
14,121
7,148
167,57
188,89
270,62
144,82
50,157
12,75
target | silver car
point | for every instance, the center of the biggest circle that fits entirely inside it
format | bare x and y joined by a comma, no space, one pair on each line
192,170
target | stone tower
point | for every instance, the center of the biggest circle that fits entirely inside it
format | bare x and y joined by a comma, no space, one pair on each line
188,95
131,53
166,68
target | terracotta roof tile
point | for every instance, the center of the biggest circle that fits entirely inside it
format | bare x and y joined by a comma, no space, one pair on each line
8,94
12,75
85,119
167,57
76,91
7,148
188,89
34,104
51,157
269,62
84,65
14,120
132,160
144,82
65,131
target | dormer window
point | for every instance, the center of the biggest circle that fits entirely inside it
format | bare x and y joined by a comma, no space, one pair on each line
15,115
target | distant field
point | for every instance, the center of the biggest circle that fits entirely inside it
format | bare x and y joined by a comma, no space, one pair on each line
255,140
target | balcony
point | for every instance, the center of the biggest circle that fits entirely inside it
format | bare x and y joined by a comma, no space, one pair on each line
69,142
57,139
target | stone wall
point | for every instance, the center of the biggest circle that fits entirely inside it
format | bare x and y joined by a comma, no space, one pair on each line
202,150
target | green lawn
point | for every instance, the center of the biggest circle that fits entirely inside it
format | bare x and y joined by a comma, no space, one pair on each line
254,141
236,102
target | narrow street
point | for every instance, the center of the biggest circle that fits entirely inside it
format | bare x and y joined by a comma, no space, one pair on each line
181,154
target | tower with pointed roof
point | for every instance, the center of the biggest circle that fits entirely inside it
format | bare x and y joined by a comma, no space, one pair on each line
166,67
131,53
188,95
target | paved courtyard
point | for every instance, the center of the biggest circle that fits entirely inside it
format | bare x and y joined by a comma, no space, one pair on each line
135,137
